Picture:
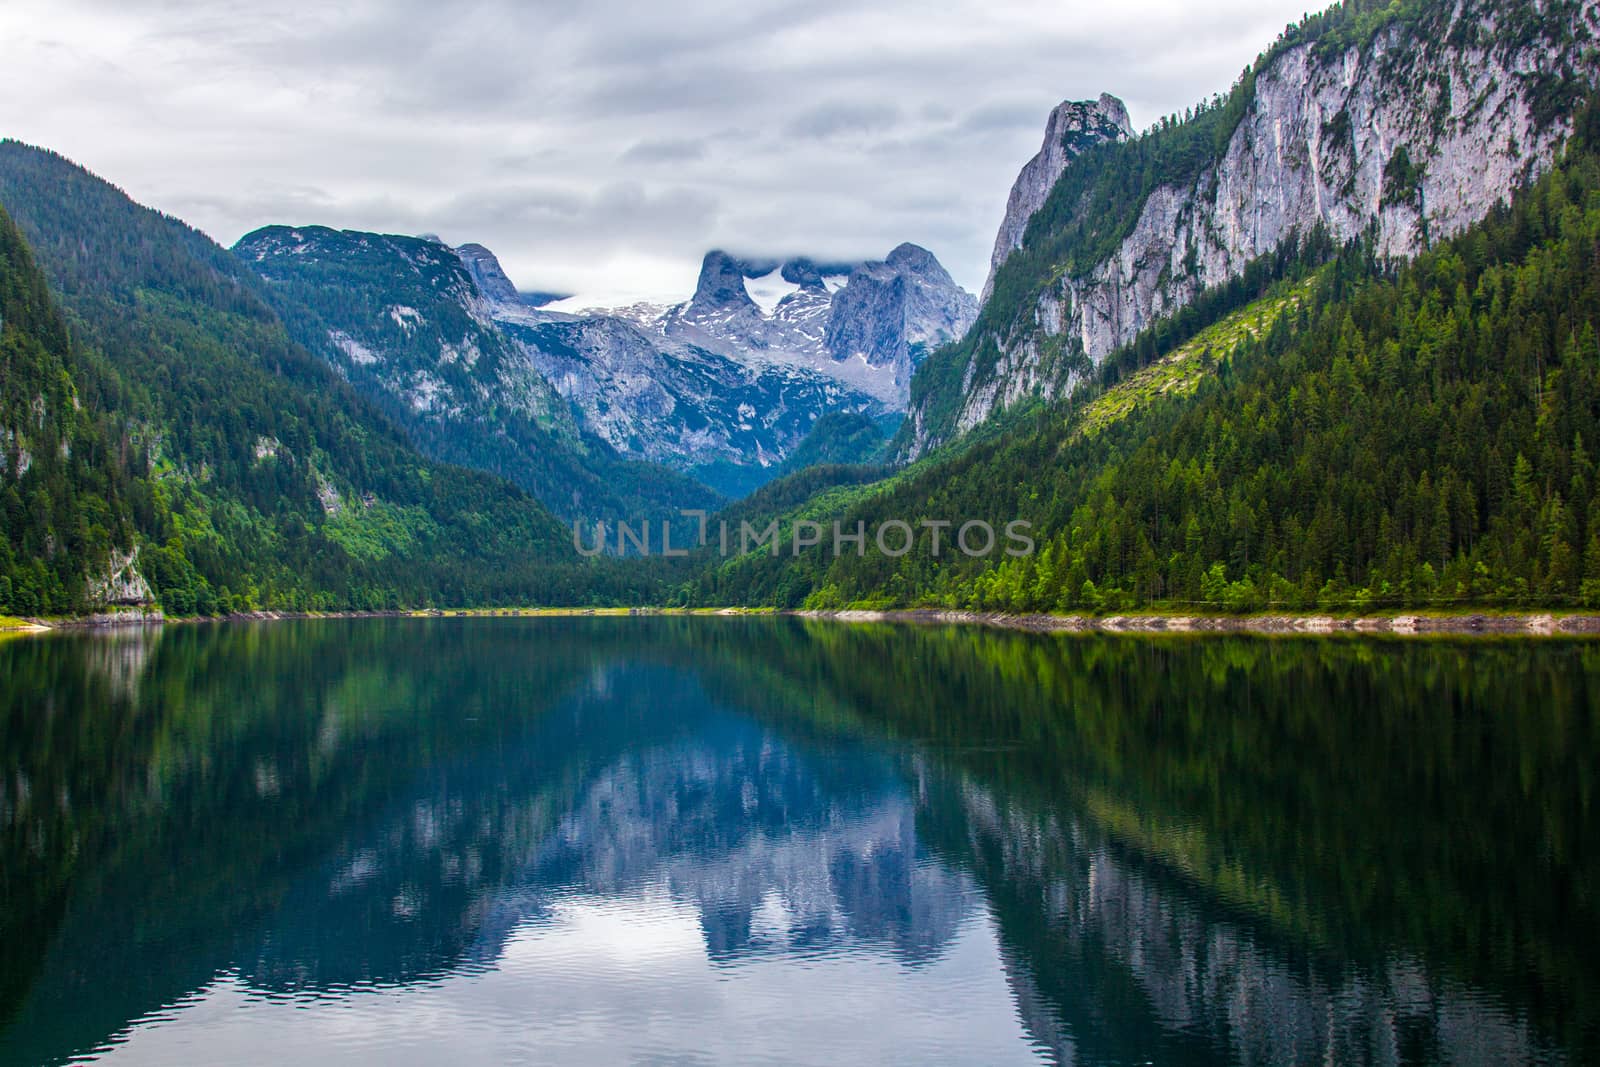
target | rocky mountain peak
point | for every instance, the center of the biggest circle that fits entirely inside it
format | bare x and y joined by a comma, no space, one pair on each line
914,259
892,313
721,285
1073,128
487,274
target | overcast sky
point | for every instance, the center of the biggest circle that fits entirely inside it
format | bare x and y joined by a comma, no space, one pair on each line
600,146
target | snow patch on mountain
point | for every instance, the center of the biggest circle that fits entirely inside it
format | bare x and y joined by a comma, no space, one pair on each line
769,290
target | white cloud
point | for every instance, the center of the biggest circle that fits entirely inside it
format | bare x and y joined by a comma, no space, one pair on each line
582,141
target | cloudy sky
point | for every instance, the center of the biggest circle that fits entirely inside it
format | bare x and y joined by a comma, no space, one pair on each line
600,146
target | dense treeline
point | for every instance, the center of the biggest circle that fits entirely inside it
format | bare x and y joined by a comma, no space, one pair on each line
63,498
1424,436
254,477
841,437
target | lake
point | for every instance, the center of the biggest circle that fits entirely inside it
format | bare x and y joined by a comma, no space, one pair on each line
760,840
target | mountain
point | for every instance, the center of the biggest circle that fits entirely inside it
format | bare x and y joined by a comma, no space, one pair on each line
726,421
1407,121
867,324
732,380
253,476
720,388
411,324
1397,415
1336,429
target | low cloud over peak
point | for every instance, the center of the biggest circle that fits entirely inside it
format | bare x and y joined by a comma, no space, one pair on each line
586,141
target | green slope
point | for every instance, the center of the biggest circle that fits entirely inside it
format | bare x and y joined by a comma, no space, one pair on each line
843,437
1181,370
257,478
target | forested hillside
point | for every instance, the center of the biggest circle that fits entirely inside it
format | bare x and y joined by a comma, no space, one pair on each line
1413,436
254,476
842,437
63,497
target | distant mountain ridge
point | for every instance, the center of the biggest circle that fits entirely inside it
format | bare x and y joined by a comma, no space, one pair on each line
409,322
721,387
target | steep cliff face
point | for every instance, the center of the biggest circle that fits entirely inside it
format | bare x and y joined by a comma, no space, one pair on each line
487,274
121,585
726,421
720,288
1410,132
1074,127
890,314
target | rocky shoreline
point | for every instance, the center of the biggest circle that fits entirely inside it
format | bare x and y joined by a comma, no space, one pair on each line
105,620
1530,624
1534,624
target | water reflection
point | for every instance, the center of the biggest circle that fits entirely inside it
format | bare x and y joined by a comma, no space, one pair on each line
772,848
730,840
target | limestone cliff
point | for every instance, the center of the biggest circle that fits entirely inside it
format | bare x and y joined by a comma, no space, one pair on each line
1409,133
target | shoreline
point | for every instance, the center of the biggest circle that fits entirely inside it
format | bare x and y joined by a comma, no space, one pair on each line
1528,624
1466,623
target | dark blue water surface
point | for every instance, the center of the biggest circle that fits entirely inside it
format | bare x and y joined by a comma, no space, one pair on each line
595,841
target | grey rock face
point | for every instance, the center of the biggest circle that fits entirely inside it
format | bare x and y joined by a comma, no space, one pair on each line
867,318
720,289
1315,146
810,275
488,275
663,400
891,313
120,584
739,372
1074,127
865,324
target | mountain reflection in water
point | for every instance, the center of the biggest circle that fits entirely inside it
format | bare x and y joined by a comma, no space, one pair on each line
746,840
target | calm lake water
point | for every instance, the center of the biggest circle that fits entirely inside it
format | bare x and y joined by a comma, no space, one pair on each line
597,841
